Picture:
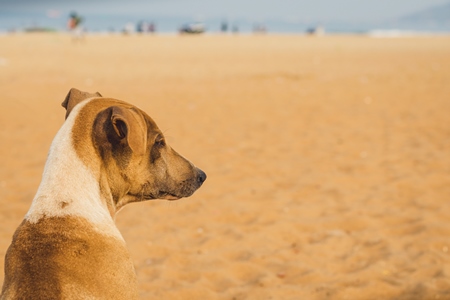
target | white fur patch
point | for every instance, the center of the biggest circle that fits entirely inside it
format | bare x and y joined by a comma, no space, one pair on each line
68,187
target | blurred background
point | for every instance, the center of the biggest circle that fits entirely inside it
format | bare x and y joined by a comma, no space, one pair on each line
284,16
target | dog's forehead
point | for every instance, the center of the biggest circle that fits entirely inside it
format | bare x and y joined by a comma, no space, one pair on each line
151,124
87,114
97,105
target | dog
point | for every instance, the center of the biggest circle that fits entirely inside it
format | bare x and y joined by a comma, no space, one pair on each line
108,153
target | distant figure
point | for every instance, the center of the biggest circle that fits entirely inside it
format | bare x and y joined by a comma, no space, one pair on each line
235,29
259,28
75,27
224,27
151,27
145,27
316,31
128,29
141,27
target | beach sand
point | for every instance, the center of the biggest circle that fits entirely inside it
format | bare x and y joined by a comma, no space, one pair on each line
328,158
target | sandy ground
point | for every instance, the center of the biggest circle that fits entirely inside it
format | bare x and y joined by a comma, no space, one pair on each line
328,159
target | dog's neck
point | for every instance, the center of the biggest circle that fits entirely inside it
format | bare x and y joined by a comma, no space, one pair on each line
68,187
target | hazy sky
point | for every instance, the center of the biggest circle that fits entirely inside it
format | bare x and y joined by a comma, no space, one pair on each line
300,10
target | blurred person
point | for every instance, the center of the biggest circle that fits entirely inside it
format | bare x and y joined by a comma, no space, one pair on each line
142,27
75,27
224,27
128,29
152,27
259,28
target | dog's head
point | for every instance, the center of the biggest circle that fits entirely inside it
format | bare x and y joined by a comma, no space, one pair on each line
135,161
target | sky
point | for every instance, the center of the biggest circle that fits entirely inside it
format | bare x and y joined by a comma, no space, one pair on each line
356,10
253,10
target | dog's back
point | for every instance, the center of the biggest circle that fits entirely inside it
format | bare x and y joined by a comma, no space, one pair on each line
76,258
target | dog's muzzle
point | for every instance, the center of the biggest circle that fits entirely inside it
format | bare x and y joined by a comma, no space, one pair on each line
186,188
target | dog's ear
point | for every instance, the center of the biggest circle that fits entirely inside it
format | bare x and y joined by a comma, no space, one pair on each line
129,125
74,97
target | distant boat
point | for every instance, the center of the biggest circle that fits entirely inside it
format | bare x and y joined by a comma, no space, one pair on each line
194,28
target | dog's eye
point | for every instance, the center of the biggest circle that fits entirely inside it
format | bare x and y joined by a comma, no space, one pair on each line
160,143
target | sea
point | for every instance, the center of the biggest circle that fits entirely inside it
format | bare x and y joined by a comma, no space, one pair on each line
119,23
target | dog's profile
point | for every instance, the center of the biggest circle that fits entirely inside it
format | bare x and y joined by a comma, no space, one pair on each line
107,154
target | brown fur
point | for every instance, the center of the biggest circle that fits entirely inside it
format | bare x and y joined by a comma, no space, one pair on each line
57,256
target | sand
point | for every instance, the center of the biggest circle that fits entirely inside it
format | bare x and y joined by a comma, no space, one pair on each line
328,159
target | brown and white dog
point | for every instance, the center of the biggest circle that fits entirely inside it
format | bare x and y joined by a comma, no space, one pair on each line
108,153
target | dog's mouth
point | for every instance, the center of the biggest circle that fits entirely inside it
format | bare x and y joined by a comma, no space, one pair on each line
167,196
162,195
184,189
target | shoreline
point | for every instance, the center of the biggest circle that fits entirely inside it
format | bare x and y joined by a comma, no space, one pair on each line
391,33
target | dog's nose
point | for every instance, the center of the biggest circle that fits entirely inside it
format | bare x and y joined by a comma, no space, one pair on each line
201,177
